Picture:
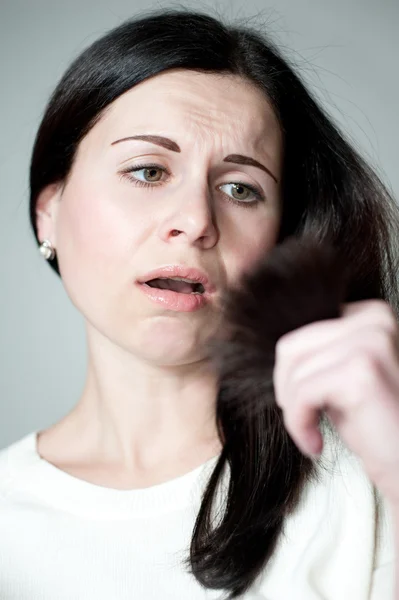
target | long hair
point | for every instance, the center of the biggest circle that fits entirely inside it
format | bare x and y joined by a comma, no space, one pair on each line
327,189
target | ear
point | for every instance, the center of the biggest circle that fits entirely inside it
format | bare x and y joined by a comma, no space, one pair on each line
46,212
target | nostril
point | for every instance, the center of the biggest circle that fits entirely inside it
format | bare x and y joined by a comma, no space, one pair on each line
175,232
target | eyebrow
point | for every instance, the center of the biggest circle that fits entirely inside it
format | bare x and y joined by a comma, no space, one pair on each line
169,144
154,139
240,159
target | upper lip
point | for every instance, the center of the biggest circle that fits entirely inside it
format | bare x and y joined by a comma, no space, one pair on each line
193,274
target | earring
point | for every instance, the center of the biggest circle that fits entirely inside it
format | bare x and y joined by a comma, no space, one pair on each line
47,250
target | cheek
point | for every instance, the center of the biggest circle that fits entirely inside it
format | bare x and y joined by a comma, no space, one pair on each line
96,238
248,246
98,220
85,234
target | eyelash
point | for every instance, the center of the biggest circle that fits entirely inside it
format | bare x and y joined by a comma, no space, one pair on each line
259,197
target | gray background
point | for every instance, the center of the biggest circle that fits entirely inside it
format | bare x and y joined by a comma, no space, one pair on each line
348,51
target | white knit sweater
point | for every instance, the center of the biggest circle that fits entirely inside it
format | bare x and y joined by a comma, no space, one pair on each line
63,538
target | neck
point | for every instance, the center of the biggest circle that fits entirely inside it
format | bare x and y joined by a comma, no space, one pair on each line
136,417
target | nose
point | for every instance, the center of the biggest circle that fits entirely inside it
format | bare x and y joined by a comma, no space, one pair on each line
191,219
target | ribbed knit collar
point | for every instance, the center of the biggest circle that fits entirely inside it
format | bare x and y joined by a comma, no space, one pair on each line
32,475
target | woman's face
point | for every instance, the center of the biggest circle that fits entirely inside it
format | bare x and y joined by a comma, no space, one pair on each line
183,196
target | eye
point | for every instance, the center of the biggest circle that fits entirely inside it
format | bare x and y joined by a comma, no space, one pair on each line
244,193
148,174
151,174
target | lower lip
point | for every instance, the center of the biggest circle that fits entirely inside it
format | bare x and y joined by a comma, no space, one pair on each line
174,300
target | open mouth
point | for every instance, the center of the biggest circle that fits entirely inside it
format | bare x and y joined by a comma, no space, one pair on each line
176,284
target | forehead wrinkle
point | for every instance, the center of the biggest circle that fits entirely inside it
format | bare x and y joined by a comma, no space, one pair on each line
221,105
211,120
227,137
212,111
209,112
233,123
209,137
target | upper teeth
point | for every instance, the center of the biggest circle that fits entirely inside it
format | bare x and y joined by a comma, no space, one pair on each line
180,279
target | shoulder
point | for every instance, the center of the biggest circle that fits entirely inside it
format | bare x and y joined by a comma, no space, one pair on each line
14,458
4,468
340,526
345,510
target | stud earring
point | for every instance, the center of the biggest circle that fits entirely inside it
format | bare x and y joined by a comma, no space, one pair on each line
47,250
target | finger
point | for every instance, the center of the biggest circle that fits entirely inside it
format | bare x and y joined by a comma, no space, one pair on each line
302,420
370,307
373,347
356,315
373,343
357,400
367,421
340,339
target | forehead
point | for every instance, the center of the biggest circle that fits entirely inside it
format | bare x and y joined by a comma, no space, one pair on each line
198,104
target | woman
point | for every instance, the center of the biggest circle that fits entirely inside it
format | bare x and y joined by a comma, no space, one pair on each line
174,153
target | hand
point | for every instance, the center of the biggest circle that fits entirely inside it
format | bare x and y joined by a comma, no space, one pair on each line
348,367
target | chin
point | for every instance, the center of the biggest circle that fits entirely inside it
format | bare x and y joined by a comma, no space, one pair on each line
166,355
169,342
